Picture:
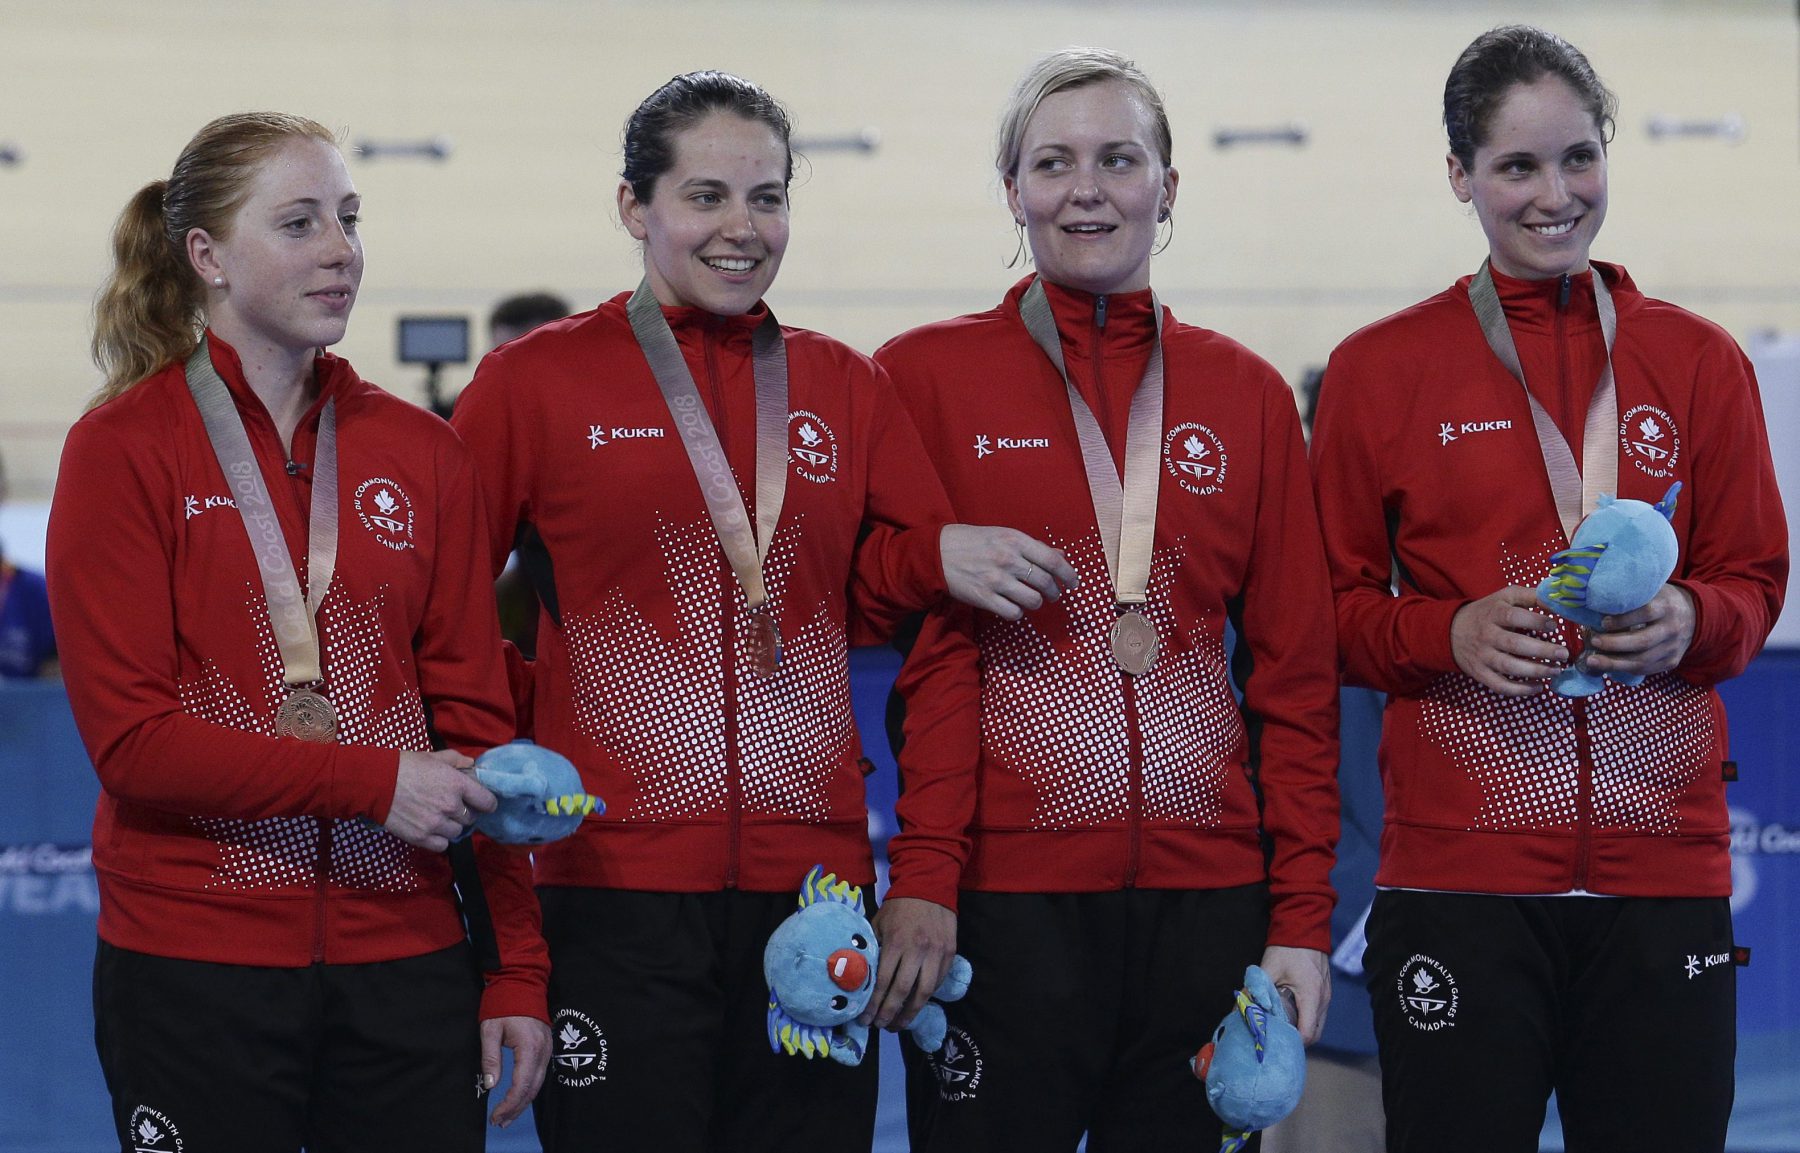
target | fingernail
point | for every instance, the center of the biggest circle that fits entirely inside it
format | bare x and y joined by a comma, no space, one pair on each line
488,1080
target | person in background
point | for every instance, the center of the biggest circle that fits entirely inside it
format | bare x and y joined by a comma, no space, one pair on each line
1090,815
710,497
518,314
267,577
27,639
1553,909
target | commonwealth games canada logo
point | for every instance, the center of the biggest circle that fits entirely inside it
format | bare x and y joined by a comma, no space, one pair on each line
151,1132
579,1056
1650,440
1428,994
812,447
958,1066
1195,457
385,511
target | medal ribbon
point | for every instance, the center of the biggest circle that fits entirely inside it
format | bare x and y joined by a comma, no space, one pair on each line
1125,513
293,617
745,548
1577,492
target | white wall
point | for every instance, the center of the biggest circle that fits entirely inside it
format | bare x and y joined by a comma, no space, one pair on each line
1288,250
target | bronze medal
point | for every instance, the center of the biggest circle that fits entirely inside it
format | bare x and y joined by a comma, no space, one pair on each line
1134,643
306,716
765,644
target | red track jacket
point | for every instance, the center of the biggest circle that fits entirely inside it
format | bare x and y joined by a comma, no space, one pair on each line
713,777
1427,464
1032,764
216,840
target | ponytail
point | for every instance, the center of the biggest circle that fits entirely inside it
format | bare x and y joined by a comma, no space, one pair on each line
148,313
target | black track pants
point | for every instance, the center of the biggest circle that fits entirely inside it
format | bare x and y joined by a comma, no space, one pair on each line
1484,1005
210,1058
659,1035
1084,1010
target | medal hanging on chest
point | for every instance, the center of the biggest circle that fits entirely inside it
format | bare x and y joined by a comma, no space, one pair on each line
1134,643
765,644
745,546
306,714
1124,508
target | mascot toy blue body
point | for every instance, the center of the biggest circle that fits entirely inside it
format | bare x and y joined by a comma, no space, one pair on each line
820,964
1622,553
540,794
1255,1065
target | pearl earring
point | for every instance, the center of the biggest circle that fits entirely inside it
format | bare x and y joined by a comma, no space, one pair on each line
218,282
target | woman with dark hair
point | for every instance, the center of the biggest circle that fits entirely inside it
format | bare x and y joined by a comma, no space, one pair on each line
1090,815
708,503
1554,871
266,583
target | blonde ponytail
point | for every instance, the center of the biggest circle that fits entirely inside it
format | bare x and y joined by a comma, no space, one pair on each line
148,313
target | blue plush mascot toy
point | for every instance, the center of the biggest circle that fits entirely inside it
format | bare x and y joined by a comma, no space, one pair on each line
1623,552
820,964
1255,1065
540,794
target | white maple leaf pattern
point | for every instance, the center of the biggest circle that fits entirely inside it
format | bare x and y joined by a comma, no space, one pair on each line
570,1036
384,500
1650,429
809,435
1195,447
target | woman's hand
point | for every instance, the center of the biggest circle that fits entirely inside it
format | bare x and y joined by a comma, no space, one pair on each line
1304,975
1492,642
529,1040
1002,570
1652,639
435,801
918,942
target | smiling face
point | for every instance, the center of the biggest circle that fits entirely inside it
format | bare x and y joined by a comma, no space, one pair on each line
1538,182
291,259
1089,185
717,225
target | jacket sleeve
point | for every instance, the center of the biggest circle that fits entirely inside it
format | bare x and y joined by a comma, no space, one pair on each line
1284,624
941,684
898,569
1735,559
1394,641
110,571
463,680
485,420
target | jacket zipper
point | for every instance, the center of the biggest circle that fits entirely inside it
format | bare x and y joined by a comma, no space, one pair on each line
1134,738
1584,795
301,483
1564,393
1584,767
734,788
321,889
1097,345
